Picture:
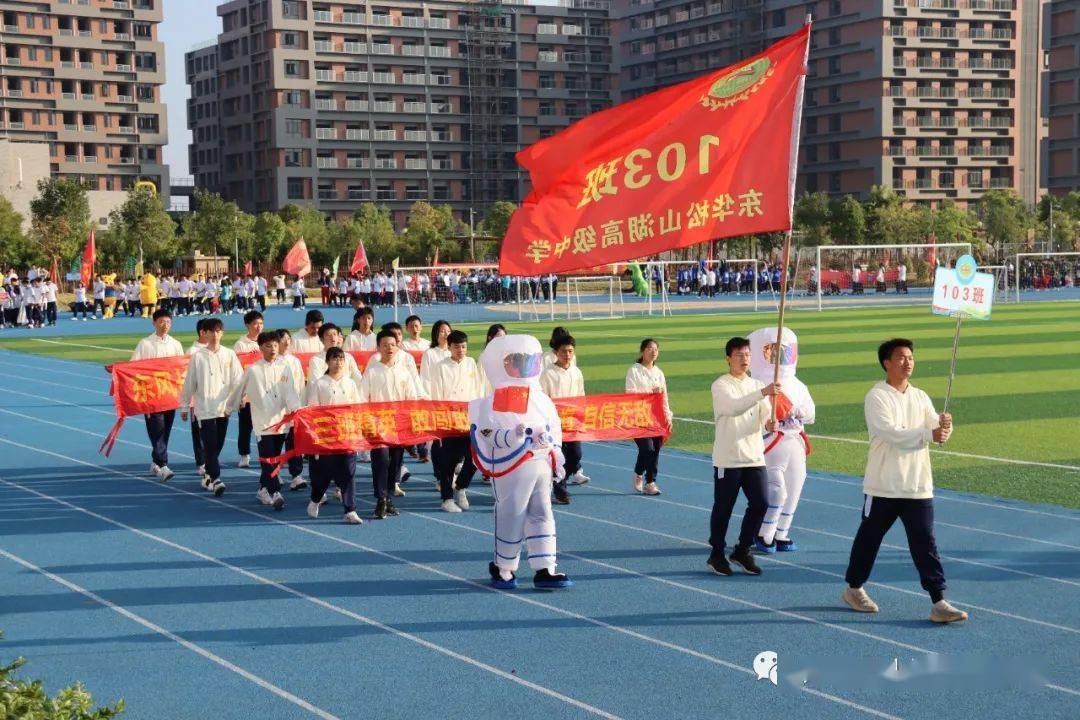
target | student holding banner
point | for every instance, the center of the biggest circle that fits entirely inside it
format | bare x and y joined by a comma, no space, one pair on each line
253,320
563,379
455,378
334,387
296,464
211,376
158,425
330,335
645,376
270,386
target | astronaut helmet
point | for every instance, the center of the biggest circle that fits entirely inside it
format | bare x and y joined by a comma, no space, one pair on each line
513,360
761,359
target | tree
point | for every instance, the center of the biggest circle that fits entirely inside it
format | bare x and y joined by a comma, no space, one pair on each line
898,224
881,203
218,226
140,226
310,224
16,250
60,218
497,218
812,218
429,228
847,221
268,237
19,698
377,232
1004,218
949,223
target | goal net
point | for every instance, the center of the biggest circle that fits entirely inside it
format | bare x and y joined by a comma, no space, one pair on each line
679,284
590,297
446,284
831,274
1045,272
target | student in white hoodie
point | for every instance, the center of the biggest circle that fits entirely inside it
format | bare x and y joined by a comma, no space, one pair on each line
334,387
560,380
253,321
741,412
362,336
270,385
158,425
455,378
212,374
437,350
307,340
330,335
412,340
898,482
645,376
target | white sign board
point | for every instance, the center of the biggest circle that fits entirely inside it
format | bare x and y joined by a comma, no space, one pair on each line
961,291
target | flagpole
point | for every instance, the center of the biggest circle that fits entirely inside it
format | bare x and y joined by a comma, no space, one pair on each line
785,256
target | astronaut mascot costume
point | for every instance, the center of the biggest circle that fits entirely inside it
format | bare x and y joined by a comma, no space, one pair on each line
785,450
516,439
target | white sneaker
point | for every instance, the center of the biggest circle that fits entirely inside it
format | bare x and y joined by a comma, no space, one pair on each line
579,478
219,488
639,484
155,469
263,496
351,518
277,501
859,601
943,612
450,506
207,483
298,483
651,489
398,492
245,461
166,474
313,509
461,499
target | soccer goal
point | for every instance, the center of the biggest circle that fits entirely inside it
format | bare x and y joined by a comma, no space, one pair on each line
727,278
1037,272
444,284
856,270
1003,275
592,297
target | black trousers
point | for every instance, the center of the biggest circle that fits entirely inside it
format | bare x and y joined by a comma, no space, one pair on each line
648,457
726,485
50,313
212,433
385,468
262,302
337,469
196,443
158,427
296,464
445,455
270,446
878,515
572,454
280,294
99,304
243,440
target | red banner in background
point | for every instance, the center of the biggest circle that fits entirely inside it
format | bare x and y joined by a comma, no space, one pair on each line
140,387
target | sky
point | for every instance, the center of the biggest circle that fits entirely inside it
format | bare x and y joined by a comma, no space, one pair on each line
187,23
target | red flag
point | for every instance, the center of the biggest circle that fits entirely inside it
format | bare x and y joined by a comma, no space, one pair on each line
297,262
709,158
54,273
247,268
933,249
89,257
359,261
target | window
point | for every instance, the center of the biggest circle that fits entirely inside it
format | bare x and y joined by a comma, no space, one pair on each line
811,153
834,36
296,188
778,19
294,128
290,39
834,94
834,182
834,151
294,158
547,81
292,68
291,97
834,123
834,66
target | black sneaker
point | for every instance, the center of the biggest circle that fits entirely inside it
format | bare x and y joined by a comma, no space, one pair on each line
718,564
745,560
548,580
390,509
561,496
380,509
497,580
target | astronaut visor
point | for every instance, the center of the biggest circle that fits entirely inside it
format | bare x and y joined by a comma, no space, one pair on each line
522,365
789,354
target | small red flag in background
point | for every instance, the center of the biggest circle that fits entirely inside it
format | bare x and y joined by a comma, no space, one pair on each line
297,261
54,272
89,257
247,268
709,158
359,261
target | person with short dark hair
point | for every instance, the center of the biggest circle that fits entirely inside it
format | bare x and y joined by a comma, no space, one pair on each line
457,377
334,387
413,327
253,321
741,412
158,425
564,379
898,482
308,340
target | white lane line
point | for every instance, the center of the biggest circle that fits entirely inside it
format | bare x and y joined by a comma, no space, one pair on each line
197,649
769,558
304,596
419,566
68,343
858,441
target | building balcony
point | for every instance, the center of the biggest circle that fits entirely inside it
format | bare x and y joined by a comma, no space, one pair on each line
412,21
416,135
385,78
326,133
360,76
439,23
412,50
362,134
547,56
326,163
355,48
386,195
385,164
350,18
383,106
356,105
381,49
439,51
414,107
385,135
358,163
326,105
382,20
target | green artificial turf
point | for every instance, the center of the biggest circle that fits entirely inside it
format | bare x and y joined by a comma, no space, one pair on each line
1016,395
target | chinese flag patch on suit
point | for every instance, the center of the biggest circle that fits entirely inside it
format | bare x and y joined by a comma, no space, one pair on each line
709,158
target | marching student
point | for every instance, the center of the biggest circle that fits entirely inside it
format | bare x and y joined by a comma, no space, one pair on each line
308,340
35,301
740,411
260,291
99,296
362,337
80,301
898,482
279,288
158,425
551,356
196,437
455,378
334,387
413,341
299,293
253,321
406,360
50,289
564,379
645,376
296,464
330,335
387,380
270,385
437,351
212,374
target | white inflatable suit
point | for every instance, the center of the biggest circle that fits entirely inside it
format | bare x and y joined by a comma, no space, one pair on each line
516,439
785,450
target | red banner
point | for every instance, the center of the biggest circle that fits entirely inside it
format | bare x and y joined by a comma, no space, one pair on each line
359,262
140,387
89,257
709,158
334,429
297,261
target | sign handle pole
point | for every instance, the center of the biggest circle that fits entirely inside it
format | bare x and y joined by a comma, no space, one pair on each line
783,306
952,363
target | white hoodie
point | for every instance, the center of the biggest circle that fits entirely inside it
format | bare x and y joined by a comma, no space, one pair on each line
211,377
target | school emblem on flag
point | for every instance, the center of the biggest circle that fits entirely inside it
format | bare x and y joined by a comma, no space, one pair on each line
738,84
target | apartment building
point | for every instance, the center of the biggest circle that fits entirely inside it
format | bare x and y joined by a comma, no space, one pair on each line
1063,96
84,77
934,98
333,103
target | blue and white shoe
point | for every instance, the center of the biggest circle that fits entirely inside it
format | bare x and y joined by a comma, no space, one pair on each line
761,547
786,546
546,580
497,580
